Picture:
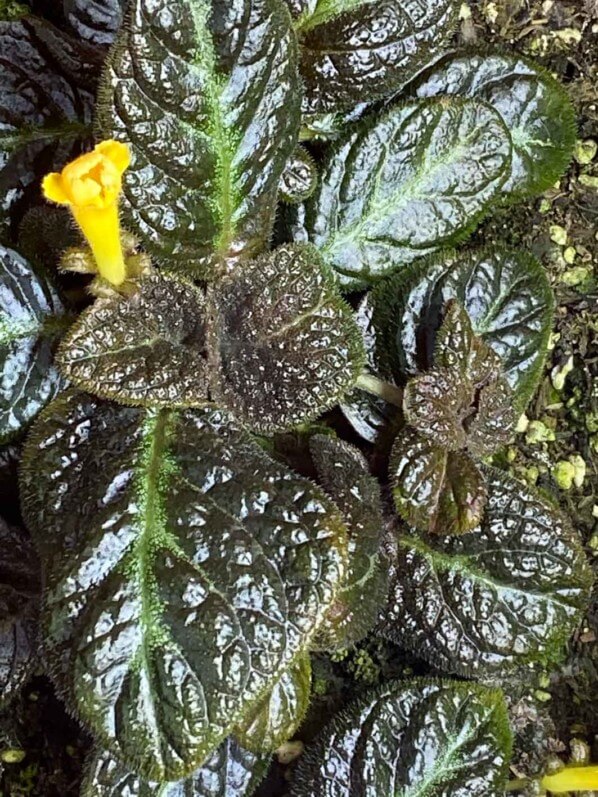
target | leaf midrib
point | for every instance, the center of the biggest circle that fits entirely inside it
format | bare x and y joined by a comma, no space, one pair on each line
461,563
147,489
227,197
405,193
444,766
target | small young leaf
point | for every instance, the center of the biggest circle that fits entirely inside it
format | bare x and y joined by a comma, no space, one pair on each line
330,126
434,404
230,771
458,347
147,349
20,587
494,420
508,593
465,402
45,109
436,490
415,180
413,739
30,316
299,178
535,107
351,49
207,95
286,346
343,472
184,571
278,717
95,21
505,293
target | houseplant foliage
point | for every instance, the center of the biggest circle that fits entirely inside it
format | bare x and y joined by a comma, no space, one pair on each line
188,570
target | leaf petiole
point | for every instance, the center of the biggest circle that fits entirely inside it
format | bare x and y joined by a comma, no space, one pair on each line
378,387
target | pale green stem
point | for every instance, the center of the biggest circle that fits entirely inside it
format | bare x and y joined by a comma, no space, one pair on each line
378,387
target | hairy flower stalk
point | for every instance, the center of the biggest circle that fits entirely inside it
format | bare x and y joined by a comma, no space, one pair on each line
90,186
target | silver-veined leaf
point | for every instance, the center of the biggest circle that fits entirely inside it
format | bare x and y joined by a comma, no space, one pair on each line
418,178
184,572
206,92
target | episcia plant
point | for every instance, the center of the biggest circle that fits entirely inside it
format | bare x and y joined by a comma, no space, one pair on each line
269,213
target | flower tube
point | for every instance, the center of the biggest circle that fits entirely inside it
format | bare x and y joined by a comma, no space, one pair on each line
90,186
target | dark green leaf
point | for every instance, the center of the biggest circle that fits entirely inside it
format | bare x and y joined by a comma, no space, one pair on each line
286,345
435,490
299,178
230,771
351,49
508,593
148,349
30,317
46,101
95,21
506,295
414,739
369,415
435,403
535,107
343,472
184,572
19,608
44,234
380,206
277,718
207,95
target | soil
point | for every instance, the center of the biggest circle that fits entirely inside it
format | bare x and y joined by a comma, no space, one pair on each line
550,711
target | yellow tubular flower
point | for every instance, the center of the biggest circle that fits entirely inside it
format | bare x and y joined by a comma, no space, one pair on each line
90,186
572,779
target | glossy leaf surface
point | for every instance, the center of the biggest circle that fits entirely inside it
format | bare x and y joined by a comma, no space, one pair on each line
280,714
418,178
506,295
206,93
285,343
20,589
343,472
465,402
230,771
351,49
508,593
434,403
494,422
459,349
45,109
30,318
184,572
534,106
147,349
412,738
96,21
434,489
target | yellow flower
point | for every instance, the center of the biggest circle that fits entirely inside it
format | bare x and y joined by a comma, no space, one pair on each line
91,185
572,779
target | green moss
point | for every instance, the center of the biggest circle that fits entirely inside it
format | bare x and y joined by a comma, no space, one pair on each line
564,474
11,9
539,432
